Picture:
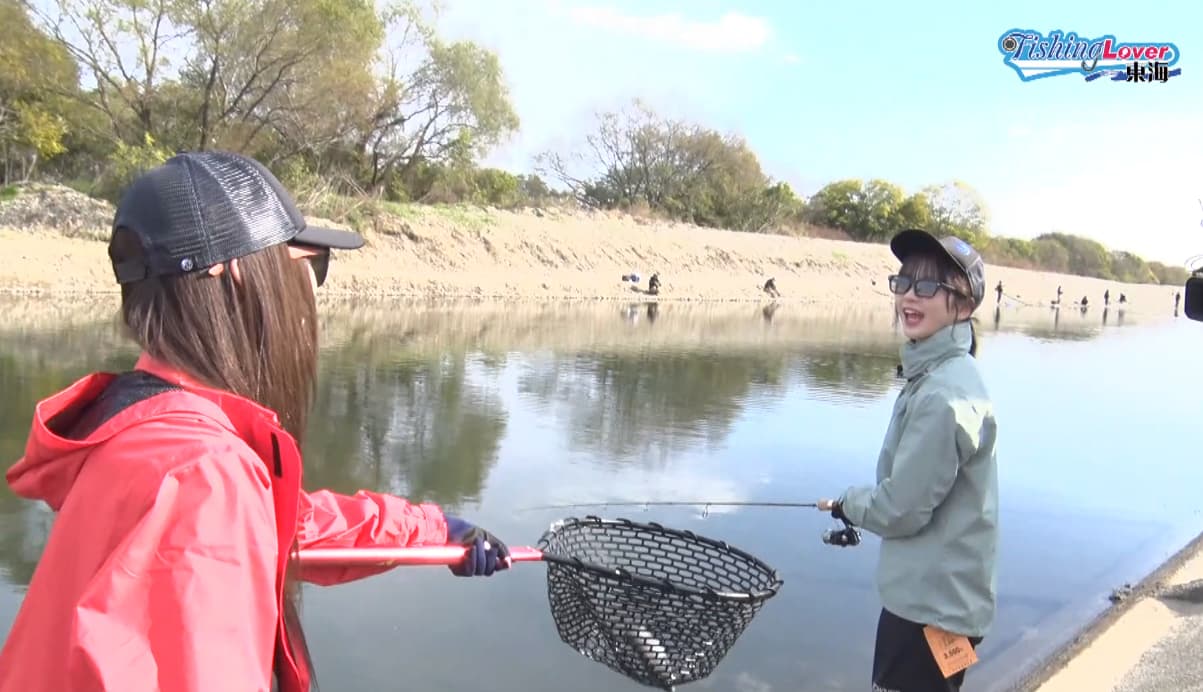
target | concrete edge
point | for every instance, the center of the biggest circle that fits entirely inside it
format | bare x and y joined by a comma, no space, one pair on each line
1148,587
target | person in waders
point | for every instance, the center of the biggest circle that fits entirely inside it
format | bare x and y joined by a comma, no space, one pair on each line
770,287
935,502
180,509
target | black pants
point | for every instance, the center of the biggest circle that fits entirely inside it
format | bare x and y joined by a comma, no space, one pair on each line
903,661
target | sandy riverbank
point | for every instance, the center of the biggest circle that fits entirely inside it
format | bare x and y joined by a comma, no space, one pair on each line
477,253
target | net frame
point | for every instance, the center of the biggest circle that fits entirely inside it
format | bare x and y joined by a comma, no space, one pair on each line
661,606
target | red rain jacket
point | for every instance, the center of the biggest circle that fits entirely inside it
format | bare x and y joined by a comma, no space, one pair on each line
165,566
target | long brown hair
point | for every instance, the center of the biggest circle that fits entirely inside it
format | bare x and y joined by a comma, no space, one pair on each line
922,266
257,339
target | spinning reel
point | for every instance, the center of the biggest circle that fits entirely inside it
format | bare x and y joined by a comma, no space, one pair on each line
843,538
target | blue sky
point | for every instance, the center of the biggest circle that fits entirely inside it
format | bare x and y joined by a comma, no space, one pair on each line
915,93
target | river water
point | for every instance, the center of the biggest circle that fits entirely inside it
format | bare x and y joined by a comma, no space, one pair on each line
494,410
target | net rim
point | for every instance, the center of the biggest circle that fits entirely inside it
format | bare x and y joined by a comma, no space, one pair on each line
620,575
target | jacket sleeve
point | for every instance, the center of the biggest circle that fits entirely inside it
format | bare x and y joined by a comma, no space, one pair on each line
926,462
365,519
186,601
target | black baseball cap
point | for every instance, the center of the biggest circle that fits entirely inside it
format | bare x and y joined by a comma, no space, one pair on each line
961,253
200,209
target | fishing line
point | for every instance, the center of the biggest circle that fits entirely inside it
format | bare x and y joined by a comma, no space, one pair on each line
1024,303
844,537
705,505
670,503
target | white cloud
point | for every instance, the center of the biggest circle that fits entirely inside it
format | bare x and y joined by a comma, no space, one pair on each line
731,33
1136,193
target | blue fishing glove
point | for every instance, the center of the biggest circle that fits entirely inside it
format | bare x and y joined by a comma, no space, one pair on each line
486,552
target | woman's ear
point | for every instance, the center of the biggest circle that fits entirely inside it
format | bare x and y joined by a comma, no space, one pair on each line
218,269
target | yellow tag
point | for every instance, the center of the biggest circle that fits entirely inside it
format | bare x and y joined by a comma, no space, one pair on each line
953,652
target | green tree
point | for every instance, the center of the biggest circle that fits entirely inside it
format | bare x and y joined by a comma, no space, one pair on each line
958,209
1168,275
454,103
122,47
915,212
836,205
290,68
871,211
683,170
880,207
1050,255
34,69
533,189
496,187
1083,256
1013,251
1127,267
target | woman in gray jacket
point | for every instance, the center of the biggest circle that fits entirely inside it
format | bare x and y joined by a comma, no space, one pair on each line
935,503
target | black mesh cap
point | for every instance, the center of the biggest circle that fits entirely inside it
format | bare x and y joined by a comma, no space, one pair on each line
200,209
961,253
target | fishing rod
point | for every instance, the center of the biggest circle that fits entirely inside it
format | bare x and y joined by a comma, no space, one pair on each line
843,538
675,503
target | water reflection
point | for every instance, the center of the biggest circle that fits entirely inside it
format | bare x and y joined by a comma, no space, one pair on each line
644,406
769,310
32,365
408,402
426,429
500,407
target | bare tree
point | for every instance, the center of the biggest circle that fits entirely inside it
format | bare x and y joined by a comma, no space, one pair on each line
123,48
439,101
682,169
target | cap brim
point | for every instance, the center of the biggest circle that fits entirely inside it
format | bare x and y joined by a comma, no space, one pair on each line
915,240
329,238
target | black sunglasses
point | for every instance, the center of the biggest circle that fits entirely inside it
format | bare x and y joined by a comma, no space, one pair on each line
924,288
321,265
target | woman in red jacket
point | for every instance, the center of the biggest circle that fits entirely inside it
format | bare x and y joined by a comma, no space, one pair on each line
177,486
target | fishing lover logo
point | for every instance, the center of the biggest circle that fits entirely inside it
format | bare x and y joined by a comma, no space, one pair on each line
1035,56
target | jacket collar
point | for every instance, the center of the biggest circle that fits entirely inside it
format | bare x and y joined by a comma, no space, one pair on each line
228,401
156,367
919,357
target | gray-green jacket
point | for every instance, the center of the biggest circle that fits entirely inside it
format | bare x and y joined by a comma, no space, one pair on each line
935,504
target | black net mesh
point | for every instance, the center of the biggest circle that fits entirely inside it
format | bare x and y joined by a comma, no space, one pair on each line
658,605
